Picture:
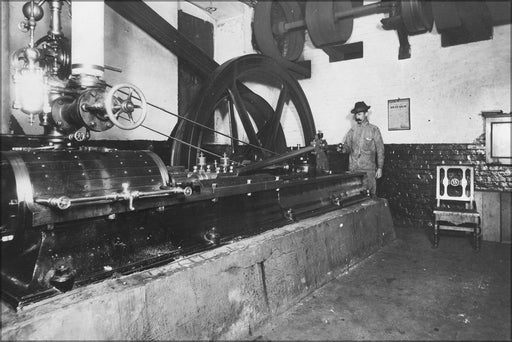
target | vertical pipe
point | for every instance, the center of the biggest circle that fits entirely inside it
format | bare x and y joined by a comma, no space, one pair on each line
55,23
87,44
5,108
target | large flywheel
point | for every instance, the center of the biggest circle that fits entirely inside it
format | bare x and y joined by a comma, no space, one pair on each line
250,109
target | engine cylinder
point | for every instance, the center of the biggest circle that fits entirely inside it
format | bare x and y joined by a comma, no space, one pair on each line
31,176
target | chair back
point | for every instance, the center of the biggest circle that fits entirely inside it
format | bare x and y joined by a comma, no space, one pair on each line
455,183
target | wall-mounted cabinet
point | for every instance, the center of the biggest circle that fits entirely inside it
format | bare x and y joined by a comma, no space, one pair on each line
498,142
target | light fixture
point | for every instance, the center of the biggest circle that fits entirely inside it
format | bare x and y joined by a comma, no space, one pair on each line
30,77
30,82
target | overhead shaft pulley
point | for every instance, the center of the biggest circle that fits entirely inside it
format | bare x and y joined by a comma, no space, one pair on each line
328,22
283,27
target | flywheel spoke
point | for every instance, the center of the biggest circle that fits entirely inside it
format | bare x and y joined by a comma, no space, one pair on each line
244,116
268,133
233,128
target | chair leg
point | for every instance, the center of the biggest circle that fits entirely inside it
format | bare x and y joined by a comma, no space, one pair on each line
477,236
436,234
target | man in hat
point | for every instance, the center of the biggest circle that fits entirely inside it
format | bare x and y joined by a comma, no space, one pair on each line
365,145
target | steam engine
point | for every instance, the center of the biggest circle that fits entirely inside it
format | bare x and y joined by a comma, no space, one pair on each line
74,214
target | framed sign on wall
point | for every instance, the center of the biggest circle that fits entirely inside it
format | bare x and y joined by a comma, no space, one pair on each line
399,114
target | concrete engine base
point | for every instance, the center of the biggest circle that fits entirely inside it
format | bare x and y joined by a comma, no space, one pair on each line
223,293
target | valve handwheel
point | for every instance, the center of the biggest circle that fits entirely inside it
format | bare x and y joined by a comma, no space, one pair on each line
119,104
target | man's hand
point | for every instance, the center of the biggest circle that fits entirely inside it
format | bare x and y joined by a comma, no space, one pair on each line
378,174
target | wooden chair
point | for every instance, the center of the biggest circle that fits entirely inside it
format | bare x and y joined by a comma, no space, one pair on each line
456,209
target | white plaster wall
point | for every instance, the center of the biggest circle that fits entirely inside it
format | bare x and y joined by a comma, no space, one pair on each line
146,64
448,87
233,35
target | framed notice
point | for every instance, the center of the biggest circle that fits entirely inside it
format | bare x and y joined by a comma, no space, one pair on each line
399,114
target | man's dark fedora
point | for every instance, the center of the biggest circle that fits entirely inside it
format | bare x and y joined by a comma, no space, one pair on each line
360,107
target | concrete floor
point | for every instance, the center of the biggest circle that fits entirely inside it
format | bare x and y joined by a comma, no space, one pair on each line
409,291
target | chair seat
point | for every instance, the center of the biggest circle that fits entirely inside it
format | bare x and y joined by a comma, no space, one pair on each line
441,210
456,228
457,217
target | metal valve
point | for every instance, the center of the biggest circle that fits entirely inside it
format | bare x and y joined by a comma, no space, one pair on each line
129,195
